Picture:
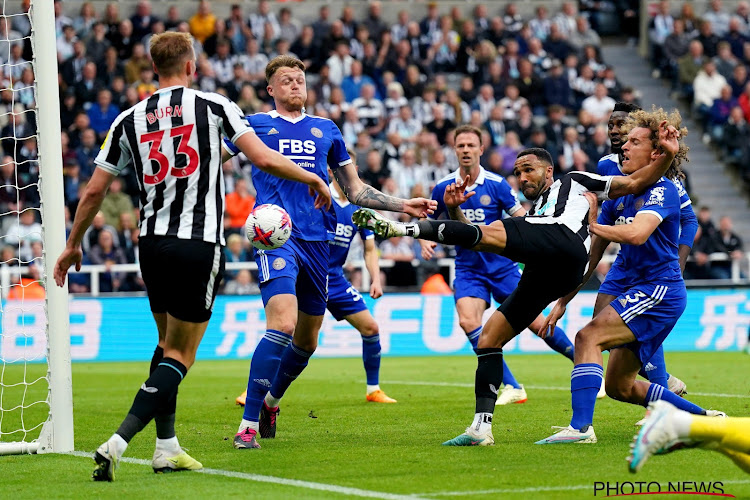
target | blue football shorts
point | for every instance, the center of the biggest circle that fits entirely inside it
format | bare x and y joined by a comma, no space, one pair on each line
469,283
651,310
299,268
343,299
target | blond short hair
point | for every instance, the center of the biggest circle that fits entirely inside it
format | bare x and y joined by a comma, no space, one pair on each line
170,51
282,61
651,120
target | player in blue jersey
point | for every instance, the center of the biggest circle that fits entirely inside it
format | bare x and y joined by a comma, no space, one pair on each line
480,276
294,278
633,326
655,370
344,301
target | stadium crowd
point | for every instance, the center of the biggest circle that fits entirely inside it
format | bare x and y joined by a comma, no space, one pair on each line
395,92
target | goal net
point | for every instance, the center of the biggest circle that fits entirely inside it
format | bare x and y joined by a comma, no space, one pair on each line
35,378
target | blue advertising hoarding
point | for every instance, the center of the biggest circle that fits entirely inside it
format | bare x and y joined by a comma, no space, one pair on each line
122,329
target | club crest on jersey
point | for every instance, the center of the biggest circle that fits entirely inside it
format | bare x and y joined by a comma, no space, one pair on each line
485,199
279,263
657,196
316,132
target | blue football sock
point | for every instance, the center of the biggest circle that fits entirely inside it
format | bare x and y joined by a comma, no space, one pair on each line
371,358
293,361
561,343
656,392
473,337
585,381
655,371
508,378
263,368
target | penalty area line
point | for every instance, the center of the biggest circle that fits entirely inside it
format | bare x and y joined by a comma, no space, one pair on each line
330,488
545,388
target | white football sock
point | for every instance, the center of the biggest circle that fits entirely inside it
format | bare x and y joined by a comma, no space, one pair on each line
372,388
246,424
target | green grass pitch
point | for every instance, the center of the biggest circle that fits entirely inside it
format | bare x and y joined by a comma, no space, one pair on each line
328,435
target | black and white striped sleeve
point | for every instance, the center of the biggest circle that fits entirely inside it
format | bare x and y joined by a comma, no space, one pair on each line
233,123
595,183
115,151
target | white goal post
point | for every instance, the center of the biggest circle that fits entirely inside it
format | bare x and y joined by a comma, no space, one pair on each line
55,433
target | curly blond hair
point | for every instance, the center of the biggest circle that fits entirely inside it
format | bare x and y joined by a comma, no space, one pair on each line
651,120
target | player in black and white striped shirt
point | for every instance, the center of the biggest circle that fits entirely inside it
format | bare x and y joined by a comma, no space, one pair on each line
552,240
174,139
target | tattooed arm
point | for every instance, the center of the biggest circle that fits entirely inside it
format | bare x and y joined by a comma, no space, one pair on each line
359,193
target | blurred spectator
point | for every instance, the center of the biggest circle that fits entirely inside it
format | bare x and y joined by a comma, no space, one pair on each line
724,61
510,104
203,22
72,183
598,147
262,17
123,40
718,17
115,202
23,232
352,84
512,19
707,88
700,267
408,173
127,235
676,45
373,21
370,111
583,35
739,80
719,113
530,86
510,149
540,24
242,284
86,152
401,251
660,27
111,18
322,25
731,244
405,125
376,170
91,236
97,42
104,252
565,20
235,251
688,67
599,105
556,45
65,41
143,19
736,138
72,69
352,126
690,20
708,39
239,204
17,129
102,113
736,38
445,46
137,63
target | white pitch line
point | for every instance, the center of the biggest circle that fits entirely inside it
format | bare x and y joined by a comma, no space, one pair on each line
539,489
331,488
546,388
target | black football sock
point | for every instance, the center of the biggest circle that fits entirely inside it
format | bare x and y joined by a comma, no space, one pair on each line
488,378
156,359
449,232
155,393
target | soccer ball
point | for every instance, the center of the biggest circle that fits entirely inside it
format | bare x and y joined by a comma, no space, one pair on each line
268,226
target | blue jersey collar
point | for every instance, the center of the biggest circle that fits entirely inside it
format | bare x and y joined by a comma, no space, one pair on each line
276,114
479,181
